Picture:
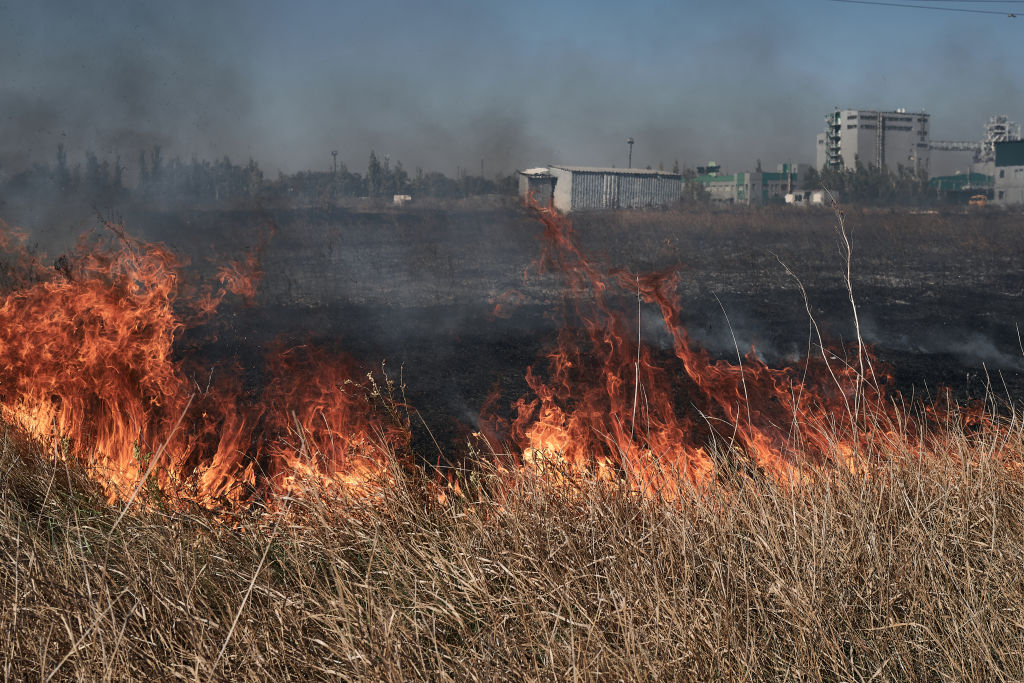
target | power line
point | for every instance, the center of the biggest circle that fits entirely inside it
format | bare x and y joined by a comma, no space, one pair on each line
938,9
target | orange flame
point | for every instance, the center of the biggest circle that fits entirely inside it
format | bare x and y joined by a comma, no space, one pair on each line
609,407
88,363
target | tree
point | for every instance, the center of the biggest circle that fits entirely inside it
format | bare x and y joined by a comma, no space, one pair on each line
693,189
255,178
833,180
156,164
62,176
95,178
143,170
812,181
374,176
399,179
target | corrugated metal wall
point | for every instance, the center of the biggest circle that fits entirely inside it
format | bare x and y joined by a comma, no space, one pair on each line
588,191
592,190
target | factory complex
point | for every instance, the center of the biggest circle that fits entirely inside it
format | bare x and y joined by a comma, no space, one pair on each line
898,141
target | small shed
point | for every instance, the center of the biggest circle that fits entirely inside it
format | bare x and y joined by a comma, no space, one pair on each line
538,183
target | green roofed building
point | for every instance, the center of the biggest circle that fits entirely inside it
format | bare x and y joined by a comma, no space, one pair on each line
960,181
1009,169
752,188
961,187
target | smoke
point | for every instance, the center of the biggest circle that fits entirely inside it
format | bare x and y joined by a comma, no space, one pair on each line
458,84
117,83
972,348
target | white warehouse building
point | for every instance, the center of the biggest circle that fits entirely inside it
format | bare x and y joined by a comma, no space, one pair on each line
575,188
876,138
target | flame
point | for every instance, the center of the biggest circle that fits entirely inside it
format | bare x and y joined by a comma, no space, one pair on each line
92,363
333,433
612,408
89,363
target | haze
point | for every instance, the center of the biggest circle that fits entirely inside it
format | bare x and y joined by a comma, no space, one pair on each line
454,84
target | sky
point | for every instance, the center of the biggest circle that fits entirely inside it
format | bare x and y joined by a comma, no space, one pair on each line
500,86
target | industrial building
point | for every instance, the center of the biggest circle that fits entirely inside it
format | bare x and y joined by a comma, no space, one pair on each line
998,129
883,139
1009,173
751,188
576,188
962,187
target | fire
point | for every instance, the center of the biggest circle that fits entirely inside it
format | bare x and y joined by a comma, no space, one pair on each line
336,436
611,408
89,363
92,363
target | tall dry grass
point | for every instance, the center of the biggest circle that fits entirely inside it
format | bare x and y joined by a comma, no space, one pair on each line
915,572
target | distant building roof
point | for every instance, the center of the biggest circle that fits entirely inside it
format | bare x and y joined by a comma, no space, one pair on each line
625,171
543,170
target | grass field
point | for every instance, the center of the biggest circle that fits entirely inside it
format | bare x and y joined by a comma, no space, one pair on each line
887,543
910,570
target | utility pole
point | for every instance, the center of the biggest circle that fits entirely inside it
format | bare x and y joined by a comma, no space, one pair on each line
335,155
629,141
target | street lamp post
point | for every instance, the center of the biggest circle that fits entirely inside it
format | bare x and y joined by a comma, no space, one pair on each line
629,141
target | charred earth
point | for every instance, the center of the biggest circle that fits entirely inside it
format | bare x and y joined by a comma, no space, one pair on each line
452,298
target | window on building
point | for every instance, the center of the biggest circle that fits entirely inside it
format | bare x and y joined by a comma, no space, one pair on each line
1000,194
1002,173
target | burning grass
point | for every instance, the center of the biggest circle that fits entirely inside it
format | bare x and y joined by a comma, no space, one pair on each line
642,513
913,572
90,361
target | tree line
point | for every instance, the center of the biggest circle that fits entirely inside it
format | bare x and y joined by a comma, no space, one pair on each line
202,182
873,185
196,182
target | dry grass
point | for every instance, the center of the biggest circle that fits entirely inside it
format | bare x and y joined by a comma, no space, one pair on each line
913,573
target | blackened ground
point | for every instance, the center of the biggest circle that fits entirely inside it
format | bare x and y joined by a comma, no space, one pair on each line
939,295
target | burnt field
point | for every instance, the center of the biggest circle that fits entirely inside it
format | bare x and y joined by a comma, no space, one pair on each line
939,294
815,541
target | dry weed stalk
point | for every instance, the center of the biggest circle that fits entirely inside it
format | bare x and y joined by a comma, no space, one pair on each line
911,573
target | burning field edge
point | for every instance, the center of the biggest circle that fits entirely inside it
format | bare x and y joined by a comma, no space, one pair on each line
642,510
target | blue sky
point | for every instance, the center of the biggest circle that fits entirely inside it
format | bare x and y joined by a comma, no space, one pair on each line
453,83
